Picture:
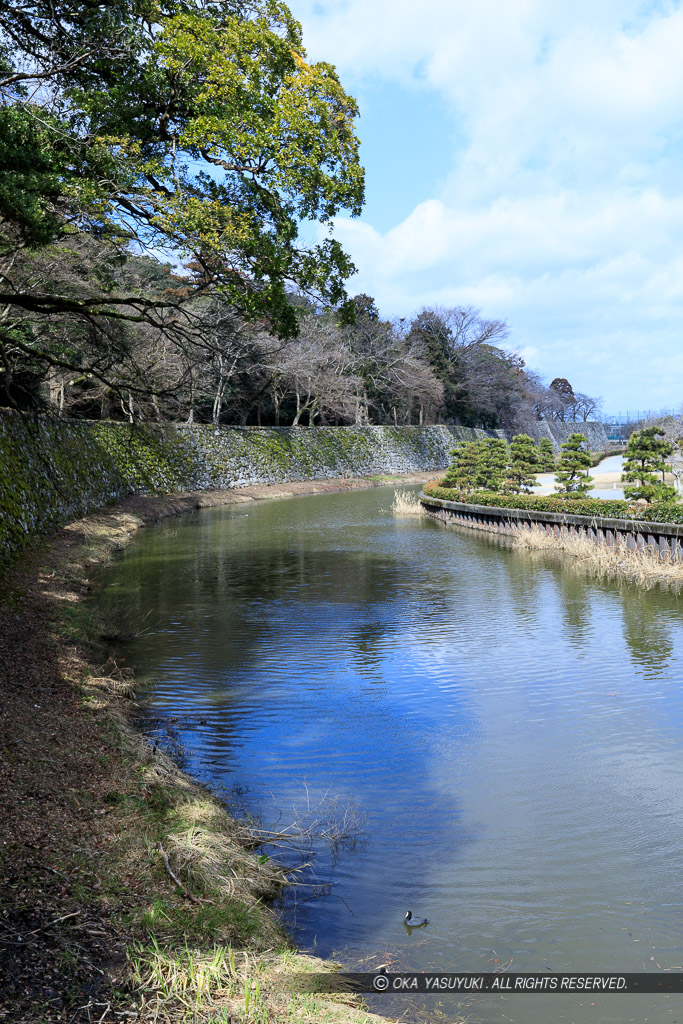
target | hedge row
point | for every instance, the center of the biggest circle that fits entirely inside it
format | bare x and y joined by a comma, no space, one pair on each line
657,512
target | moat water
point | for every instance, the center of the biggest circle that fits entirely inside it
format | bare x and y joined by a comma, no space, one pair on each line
507,733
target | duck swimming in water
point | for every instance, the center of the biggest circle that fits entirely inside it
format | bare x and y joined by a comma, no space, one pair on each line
414,922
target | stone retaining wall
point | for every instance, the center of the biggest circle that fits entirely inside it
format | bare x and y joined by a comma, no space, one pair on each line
664,538
54,470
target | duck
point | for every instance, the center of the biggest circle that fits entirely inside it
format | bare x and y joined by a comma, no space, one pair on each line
414,922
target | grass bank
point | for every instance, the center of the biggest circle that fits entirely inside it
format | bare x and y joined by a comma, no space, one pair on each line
129,893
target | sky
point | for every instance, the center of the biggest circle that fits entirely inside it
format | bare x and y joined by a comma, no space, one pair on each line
524,157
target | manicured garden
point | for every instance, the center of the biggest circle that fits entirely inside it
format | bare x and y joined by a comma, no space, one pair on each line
491,473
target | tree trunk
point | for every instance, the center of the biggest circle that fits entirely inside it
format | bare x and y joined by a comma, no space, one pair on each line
218,402
295,421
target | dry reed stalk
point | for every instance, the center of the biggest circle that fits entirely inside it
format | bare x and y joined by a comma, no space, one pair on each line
406,503
644,566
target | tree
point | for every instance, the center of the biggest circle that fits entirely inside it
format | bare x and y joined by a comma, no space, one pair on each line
565,408
191,128
546,455
523,464
672,427
586,407
565,399
452,340
645,459
465,469
493,463
572,475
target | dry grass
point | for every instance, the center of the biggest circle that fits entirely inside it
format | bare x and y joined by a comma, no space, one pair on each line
645,566
406,503
221,985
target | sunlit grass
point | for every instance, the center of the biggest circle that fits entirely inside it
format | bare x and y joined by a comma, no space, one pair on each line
644,565
406,503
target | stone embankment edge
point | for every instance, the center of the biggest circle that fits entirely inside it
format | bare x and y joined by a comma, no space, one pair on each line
58,567
666,538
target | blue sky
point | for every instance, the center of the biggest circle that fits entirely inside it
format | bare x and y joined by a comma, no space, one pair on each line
525,157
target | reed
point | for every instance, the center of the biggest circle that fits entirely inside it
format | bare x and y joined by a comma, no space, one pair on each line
644,566
406,503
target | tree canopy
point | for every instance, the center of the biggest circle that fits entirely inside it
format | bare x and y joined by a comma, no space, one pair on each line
194,130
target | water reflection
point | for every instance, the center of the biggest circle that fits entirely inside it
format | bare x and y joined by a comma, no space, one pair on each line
511,730
649,635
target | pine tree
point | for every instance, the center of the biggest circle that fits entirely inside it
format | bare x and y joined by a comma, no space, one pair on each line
644,459
465,468
493,464
547,455
572,475
523,464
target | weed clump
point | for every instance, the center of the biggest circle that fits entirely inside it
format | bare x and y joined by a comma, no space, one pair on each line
406,503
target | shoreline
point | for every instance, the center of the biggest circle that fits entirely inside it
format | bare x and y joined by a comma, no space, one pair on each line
92,924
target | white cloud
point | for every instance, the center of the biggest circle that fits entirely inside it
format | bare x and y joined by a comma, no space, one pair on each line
563,210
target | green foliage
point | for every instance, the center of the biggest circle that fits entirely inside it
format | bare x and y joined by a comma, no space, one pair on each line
464,470
493,465
546,454
644,459
33,167
197,129
480,464
572,475
523,464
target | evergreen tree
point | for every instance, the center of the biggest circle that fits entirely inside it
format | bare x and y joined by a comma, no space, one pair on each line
523,464
546,455
644,460
572,475
493,464
465,469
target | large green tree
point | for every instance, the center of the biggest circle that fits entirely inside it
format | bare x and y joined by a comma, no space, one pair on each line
195,130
